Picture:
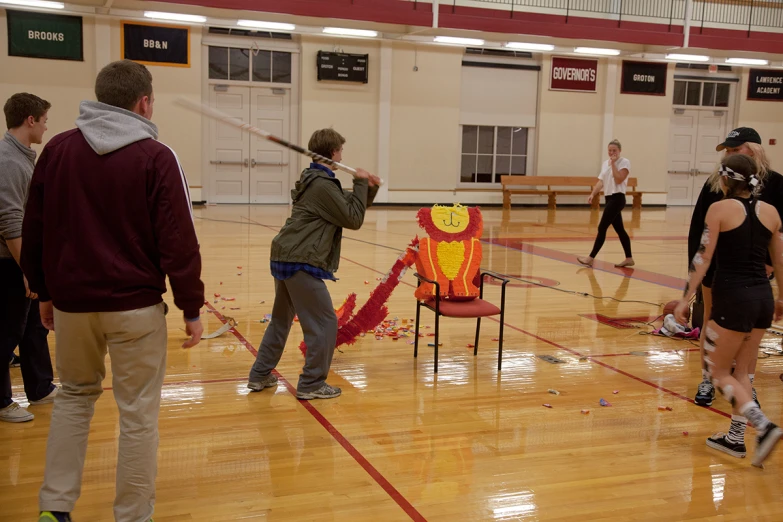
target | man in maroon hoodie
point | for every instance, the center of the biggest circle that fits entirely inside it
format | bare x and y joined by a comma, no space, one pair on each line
107,219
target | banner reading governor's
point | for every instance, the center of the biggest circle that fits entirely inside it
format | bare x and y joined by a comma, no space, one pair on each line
153,44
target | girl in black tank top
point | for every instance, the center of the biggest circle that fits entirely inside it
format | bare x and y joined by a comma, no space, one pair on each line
738,231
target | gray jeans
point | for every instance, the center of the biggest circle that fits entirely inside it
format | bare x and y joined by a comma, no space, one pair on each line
307,297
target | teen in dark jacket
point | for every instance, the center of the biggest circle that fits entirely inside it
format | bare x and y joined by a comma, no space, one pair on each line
304,253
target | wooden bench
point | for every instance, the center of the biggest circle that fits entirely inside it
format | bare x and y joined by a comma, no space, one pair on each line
563,185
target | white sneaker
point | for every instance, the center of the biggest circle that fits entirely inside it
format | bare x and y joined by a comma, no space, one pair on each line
46,400
15,413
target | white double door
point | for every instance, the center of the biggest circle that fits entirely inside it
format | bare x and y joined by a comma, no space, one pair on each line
692,156
244,167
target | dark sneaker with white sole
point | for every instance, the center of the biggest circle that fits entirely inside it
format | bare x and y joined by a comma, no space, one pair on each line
705,394
267,382
720,443
766,442
324,392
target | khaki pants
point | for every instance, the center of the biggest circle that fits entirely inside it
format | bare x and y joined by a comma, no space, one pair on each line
136,342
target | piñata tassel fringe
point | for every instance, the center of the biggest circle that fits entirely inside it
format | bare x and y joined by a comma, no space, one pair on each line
344,314
374,310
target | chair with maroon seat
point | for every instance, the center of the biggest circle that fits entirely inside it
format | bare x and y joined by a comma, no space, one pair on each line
474,309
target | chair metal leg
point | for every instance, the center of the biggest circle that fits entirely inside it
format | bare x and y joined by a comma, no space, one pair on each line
437,338
500,338
416,338
478,329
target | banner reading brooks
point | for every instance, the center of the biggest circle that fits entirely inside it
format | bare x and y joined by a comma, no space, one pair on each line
44,35
573,74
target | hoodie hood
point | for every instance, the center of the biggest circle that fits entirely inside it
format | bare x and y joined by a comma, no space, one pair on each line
107,128
308,176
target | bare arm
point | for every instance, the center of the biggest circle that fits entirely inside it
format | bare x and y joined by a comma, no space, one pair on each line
619,175
15,246
597,189
776,247
701,261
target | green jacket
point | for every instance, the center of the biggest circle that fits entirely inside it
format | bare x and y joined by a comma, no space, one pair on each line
321,210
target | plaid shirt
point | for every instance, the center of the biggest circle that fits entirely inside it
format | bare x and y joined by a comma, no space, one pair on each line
282,270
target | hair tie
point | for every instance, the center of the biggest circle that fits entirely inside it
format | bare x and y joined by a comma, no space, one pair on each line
729,173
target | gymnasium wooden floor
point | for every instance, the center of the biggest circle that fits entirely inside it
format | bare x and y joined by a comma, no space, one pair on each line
466,444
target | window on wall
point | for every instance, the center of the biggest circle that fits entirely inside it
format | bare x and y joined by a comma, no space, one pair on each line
229,63
490,152
701,94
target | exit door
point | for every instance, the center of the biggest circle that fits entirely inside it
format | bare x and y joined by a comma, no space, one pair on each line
694,134
246,168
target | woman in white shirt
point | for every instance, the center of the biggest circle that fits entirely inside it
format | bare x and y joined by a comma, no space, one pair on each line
613,180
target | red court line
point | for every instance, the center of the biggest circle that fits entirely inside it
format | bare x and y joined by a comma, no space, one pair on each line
646,352
609,367
574,352
334,432
633,273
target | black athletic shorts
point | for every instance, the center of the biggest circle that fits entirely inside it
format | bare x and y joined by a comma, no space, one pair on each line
743,309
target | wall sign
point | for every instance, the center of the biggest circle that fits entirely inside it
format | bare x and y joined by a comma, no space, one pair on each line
573,74
342,67
44,35
153,44
644,78
766,85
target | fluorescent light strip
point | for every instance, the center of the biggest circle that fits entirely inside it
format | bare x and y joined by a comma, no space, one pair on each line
530,46
688,57
35,3
454,40
747,61
157,15
595,50
272,26
350,32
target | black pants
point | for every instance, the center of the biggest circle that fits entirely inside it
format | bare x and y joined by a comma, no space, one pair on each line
615,204
20,325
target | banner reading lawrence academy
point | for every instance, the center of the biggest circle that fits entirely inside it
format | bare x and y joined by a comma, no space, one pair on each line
766,85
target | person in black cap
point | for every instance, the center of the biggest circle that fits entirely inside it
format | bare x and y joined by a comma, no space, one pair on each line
743,140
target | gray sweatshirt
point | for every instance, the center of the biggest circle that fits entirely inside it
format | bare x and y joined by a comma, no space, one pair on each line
17,163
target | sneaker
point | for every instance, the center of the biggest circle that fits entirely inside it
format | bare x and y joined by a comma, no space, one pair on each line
705,395
755,398
16,362
720,443
765,443
324,392
15,413
265,382
56,516
46,400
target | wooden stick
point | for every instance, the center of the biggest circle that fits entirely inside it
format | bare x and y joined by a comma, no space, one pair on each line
236,122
